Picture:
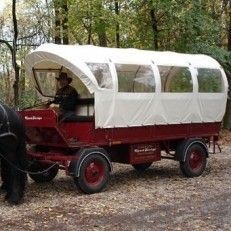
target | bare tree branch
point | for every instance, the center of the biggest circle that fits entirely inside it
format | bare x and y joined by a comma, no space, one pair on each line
29,36
28,45
7,43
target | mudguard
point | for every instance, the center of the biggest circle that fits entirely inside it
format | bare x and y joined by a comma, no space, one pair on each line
184,145
74,167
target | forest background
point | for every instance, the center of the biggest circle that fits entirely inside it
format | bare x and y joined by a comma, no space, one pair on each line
196,26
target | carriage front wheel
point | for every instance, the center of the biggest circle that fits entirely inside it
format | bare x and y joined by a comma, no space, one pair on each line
93,174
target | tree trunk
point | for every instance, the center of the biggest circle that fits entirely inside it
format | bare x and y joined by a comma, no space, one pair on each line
101,26
57,22
14,61
61,22
89,29
65,22
117,11
229,30
227,118
154,29
49,21
102,38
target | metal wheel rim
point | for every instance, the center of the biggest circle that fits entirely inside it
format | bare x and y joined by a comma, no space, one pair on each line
195,160
94,172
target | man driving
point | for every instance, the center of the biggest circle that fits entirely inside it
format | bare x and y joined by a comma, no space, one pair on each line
66,96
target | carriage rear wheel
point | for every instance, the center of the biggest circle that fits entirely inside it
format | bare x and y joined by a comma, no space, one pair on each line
93,174
46,176
195,161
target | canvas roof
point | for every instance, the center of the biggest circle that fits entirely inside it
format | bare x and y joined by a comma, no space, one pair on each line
75,57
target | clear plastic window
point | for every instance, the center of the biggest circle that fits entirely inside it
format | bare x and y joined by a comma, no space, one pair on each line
48,85
135,78
209,80
46,80
175,79
102,74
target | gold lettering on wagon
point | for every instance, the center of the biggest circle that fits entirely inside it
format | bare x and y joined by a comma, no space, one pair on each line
146,149
33,118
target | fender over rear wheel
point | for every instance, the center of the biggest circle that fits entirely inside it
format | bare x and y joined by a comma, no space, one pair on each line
195,160
93,174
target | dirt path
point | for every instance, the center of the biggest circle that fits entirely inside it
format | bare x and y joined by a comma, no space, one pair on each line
158,199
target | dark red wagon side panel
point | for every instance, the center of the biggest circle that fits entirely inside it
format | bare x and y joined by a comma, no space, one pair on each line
44,128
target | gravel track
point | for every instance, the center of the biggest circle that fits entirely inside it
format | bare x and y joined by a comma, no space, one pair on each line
158,199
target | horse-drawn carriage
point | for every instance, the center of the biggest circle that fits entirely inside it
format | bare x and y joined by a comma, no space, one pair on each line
135,107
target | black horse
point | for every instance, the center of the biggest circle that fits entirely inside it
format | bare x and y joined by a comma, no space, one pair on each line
12,154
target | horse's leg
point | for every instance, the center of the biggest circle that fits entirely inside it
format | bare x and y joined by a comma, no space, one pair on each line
12,188
13,177
16,188
14,191
4,175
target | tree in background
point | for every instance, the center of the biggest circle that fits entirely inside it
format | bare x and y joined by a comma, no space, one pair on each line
177,25
18,38
13,50
61,21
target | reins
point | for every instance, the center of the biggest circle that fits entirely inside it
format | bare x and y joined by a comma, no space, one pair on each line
26,171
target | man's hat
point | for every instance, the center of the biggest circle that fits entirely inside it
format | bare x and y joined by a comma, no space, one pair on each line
64,76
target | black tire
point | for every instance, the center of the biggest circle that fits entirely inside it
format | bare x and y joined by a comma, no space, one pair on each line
195,160
93,174
141,167
46,176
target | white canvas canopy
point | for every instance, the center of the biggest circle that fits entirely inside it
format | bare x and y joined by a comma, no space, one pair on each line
116,108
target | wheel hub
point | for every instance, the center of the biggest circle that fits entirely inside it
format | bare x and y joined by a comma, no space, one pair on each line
94,172
195,160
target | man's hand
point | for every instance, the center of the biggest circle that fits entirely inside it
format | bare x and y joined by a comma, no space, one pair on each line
53,105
